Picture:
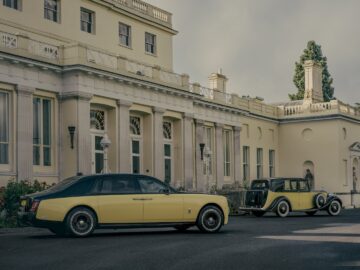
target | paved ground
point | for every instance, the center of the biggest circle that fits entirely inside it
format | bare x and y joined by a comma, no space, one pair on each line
296,242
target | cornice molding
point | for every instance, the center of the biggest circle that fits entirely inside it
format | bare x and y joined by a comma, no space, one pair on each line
75,95
25,90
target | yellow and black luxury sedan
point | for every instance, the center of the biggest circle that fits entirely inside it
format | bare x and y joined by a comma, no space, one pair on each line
81,204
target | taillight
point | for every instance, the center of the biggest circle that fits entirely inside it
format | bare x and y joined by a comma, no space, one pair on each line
34,206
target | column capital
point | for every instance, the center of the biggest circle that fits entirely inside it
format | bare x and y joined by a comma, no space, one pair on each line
219,125
124,103
25,90
75,94
199,122
237,128
187,115
158,110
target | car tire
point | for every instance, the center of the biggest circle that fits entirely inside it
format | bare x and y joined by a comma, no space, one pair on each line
81,222
210,219
182,228
283,208
334,208
310,213
258,213
319,200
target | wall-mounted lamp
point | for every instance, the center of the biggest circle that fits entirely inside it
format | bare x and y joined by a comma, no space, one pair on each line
202,146
72,133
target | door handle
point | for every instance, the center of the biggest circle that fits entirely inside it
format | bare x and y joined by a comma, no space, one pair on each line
138,199
147,199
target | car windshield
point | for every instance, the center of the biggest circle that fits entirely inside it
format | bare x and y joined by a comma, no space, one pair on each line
64,183
260,184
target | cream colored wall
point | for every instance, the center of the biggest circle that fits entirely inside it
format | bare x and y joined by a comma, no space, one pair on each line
30,20
268,140
345,141
321,146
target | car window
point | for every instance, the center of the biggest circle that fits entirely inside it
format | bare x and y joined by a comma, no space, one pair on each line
150,185
259,185
119,185
277,185
80,188
304,186
290,185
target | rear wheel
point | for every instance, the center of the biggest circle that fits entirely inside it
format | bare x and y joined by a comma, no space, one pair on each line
334,208
283,209
258,213
210,219
81,222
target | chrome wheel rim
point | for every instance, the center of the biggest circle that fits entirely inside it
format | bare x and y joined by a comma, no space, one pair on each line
335,208
211,220
283,209
82,223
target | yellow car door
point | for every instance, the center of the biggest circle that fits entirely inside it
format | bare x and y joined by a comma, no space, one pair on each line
119,200
291,192
161,204
306,198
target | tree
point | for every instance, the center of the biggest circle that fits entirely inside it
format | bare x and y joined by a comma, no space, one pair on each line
312,52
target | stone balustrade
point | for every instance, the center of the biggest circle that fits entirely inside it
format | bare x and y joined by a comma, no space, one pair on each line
80,54
145,8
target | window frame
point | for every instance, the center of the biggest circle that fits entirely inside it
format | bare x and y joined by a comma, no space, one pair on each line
227,149
259,163
91,22
271,163
144,177
153,45
8,131
139,138
41,132
246,163
128,36
17,6
58,10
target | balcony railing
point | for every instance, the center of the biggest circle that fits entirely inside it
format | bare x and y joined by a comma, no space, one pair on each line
73,54
145,8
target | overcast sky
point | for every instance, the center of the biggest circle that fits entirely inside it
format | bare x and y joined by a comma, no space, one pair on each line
256,42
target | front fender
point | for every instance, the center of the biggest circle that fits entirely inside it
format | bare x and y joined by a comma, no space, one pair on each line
331,198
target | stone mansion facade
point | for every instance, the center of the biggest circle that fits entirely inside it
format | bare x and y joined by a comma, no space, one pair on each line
72,72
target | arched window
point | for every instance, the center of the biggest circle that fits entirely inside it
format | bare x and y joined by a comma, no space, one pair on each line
97,119
167,130
309,173
135,125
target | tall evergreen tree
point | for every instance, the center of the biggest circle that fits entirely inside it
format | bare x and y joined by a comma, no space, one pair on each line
312,52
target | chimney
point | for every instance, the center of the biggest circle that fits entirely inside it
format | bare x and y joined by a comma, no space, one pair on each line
217,81
313,82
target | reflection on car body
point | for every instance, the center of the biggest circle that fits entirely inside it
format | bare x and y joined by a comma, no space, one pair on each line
79,205
284,195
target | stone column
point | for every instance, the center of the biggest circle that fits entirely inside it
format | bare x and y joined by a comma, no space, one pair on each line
84,139
75,111
24,153
124,136
188,151
219,155
237,155
199,138
158,155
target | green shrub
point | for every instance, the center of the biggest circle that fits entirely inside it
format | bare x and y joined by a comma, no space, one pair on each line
10,199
